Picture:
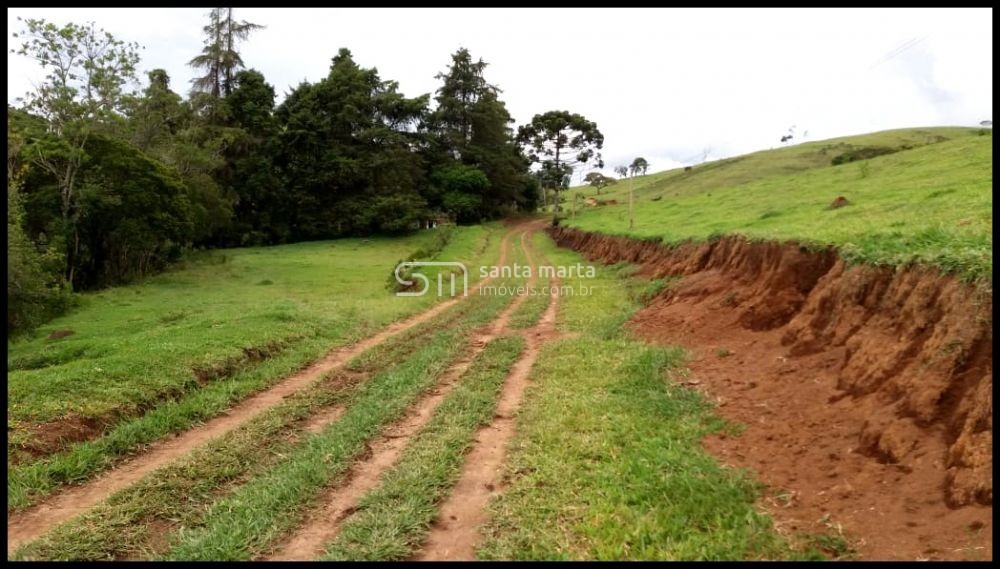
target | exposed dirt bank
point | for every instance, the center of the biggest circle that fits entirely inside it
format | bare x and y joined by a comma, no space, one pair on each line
867,392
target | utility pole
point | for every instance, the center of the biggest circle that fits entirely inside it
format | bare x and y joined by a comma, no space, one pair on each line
631,208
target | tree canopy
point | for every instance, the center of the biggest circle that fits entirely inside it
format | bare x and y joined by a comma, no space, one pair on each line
560,141
107,183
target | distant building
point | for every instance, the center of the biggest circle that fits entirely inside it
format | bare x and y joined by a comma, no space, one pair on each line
437,220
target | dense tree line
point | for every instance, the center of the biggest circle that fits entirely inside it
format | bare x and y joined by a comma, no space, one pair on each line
107,184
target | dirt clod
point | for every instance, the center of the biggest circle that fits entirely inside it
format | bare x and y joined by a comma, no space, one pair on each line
841,201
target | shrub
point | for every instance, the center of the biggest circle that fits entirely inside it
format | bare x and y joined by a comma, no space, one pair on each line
36,290
862,153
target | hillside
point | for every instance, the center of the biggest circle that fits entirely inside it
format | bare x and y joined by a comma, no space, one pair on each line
927,198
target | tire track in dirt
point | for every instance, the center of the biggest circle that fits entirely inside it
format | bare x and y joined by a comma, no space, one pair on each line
29,524
456,531
323,523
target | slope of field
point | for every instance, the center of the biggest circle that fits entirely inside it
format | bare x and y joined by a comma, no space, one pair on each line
928,200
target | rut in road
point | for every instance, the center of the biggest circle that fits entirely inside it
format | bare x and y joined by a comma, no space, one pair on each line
323,523
456,531
29,524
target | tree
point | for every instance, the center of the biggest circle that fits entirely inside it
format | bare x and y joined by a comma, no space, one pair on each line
560,141
249,172
219,58
463,86
162,125
461,189
622,171
598,181
639,165
36,289
83,92
135,215
345,143
471,126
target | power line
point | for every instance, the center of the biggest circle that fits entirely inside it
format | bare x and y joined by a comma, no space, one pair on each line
910,43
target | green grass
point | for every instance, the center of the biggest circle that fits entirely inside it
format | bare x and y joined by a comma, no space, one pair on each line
930,204
607,461
130,522
392,520
154,334
242,524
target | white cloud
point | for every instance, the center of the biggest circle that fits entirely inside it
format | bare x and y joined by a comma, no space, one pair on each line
662,83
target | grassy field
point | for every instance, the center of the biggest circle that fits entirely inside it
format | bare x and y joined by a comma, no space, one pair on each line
927,200
147,360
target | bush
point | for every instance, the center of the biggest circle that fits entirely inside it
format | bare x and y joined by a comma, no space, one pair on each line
442,237
863,153
36,290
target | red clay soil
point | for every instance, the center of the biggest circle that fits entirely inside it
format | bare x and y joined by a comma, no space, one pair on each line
866,392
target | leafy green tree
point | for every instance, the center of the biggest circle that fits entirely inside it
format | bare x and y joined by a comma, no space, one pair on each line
250,174
463,86
460,190
598,181
134,214
622,171
560,141
36,289
162,125
83,93
473,127
347,142
639,165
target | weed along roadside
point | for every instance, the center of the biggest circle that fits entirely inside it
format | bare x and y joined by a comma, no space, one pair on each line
300,288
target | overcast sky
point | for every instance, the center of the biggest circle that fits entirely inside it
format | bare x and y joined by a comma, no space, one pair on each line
666,84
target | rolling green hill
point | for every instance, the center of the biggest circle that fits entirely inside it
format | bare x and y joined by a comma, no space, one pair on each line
914,195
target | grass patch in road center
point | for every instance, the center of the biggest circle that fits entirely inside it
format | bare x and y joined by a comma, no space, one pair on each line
392,520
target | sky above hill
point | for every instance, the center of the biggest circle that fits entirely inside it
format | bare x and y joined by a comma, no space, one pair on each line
675,86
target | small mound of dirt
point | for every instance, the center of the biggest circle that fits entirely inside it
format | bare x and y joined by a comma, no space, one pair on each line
54,436
59,334
840,202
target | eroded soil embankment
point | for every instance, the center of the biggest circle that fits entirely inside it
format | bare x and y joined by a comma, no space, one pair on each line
867,391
